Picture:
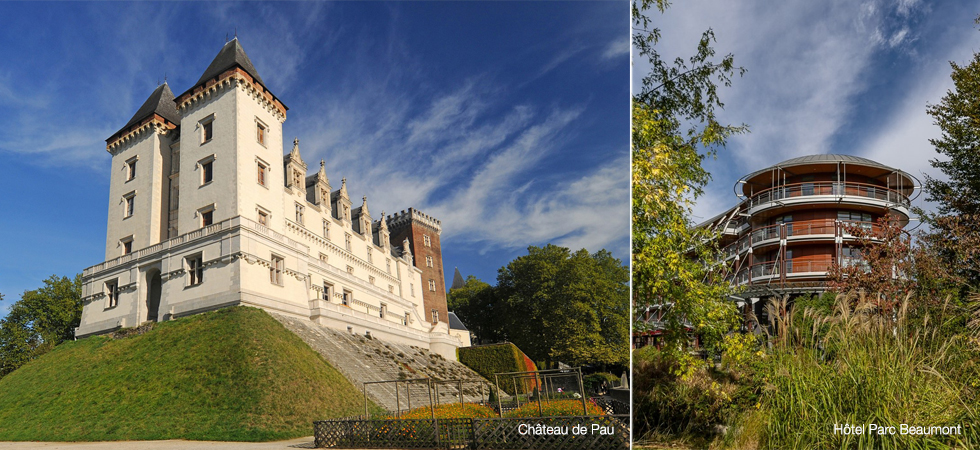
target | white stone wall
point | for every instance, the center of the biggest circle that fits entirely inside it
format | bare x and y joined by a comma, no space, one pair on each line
144,226
236,250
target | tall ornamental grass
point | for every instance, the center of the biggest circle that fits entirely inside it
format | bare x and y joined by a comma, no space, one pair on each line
860,366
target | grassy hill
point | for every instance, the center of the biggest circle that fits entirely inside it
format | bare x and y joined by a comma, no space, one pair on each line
233,374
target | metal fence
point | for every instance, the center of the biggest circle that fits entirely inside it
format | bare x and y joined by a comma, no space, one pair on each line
554,433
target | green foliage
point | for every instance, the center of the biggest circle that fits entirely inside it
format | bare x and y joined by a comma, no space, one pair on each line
488,360
40,320
680,402
565,306
555,408
234,374
593,381
474,304
555,304
673,261
893,370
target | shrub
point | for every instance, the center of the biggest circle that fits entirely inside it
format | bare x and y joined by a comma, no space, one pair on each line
488,360
592,382
556,408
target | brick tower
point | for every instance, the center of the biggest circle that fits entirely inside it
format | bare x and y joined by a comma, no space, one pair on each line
422,232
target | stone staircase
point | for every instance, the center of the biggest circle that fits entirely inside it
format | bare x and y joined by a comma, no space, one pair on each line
364,359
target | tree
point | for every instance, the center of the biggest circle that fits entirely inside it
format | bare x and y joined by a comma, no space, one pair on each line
557,305
881,264
40,320
474,304
955,224
673,261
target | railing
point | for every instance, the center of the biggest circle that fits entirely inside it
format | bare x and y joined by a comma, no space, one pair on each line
793,230
789,268
829,188
195,235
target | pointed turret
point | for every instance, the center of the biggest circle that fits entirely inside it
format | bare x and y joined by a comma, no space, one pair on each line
230,64
231,55
159,105
295,168
457,281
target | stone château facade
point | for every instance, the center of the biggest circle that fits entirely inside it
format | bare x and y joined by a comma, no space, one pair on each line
206,211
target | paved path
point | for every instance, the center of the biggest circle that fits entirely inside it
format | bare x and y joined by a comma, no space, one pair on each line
306,442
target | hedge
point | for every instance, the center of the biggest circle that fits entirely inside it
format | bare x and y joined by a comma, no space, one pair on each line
488,360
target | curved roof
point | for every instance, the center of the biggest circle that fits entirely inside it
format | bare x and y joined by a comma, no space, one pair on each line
825,159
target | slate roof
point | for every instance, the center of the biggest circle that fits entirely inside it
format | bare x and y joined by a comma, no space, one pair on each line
455,323
161,102
231,55
457,280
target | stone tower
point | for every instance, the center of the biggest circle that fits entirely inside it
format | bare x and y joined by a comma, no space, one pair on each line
422,232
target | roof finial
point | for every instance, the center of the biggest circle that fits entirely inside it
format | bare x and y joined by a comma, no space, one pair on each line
226,38
236,32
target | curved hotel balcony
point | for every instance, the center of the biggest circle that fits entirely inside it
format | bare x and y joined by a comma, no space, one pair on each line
794,220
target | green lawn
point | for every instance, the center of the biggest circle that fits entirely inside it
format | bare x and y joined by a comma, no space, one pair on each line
234,374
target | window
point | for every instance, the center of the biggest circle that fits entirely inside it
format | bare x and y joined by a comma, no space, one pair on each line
275,270
131,169
127,245
299,214
207,129
260,133
426,240
327,291
130,204
388,265
207,216
207,170
112,293
298,179
370,254
326,229
347,241
262,169
346,298
384,310
411,288
428,261
407,319
346,213
195,269
432,285
435,316
263,218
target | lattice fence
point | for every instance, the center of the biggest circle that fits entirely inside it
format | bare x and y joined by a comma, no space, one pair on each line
553,433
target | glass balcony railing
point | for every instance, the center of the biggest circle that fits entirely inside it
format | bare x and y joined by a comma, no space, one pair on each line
795,230
829,188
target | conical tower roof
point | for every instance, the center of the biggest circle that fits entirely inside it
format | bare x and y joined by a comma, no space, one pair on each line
231,55
160,102
457,280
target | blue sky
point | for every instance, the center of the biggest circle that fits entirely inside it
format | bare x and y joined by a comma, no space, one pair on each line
850,77
509,121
